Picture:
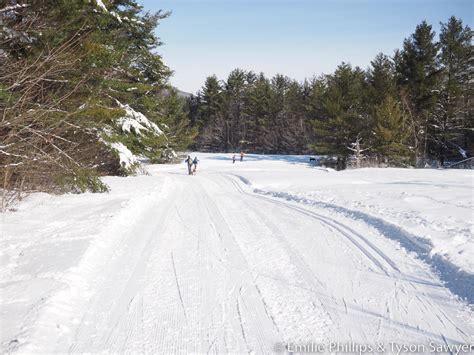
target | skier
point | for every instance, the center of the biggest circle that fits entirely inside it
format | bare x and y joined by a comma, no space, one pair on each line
189,161
233,159
241,156
195,163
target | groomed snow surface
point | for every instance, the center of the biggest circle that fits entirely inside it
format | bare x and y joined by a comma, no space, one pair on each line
242,258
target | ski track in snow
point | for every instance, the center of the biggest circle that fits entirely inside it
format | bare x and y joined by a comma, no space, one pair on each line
203,264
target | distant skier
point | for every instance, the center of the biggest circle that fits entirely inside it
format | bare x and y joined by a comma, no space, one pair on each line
233,159
195,164
241,156
189,162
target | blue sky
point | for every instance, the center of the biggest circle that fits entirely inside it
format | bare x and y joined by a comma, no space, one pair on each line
298,38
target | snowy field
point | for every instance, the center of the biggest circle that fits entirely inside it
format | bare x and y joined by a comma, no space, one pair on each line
242,258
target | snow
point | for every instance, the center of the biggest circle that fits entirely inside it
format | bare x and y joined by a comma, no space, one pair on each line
133,122
433,204
104,8
136,121
462,152
127,159
241,258
116,15
13,7
101,5
138,22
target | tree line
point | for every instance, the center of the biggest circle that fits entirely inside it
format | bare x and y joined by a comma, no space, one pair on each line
408,109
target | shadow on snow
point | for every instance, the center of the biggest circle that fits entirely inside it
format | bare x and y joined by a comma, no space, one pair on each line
455,279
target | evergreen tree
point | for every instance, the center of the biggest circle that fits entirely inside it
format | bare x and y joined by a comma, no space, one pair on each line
294,136
258,111
418,73
234,95
344,115
381,79
391,133
279,86
212,131
453,126
211,99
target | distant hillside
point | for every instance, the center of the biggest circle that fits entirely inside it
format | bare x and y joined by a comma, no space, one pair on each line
183,93
180,93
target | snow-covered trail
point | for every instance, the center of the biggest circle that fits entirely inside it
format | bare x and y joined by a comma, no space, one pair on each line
212,267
